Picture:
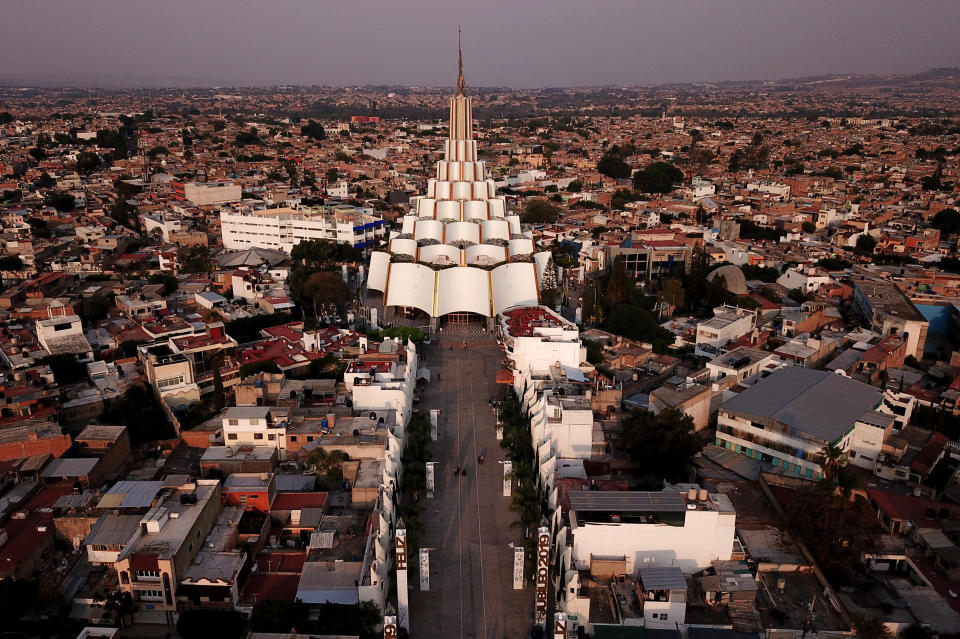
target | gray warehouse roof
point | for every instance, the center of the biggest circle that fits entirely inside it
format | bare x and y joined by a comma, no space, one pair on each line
819,403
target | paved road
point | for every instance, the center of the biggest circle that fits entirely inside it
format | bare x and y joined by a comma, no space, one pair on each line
468,521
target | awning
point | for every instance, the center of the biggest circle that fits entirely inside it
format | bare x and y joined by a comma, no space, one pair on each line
505,376
423,373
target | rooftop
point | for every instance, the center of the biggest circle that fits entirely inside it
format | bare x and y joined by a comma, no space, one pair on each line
822,404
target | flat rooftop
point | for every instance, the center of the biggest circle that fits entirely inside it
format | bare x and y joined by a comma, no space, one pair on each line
887,297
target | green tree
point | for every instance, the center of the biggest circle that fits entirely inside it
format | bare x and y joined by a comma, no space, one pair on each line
917,631
11,263
594,351
619,285
327,465
65,367
88,162
808,227
865,245
195,259
333,175
947,221
620,199
870,627
539,211
662,445
638,323
138,410
323,288
313,130
279,616
61,201
170,283
672,294
575,187
96,307
613,165
199,623
837,530
658,177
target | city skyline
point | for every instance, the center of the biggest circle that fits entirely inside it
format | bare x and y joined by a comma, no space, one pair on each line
113,44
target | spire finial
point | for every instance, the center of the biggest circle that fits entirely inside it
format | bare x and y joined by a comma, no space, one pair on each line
461,83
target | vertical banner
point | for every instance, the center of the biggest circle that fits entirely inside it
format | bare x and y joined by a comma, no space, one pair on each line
542,575
507,478
424,569
434,423
518,568
431,481
560,626
403,604
499,430
390,627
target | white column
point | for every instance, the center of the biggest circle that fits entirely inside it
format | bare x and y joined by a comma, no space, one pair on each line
424,569
403,604
390,627
518,568
560,626
431,481
542,576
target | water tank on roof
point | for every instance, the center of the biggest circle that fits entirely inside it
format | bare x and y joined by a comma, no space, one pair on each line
692,494
323,422
258,383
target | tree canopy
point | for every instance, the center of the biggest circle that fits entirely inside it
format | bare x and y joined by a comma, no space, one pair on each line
947,220
661,445
658,177
313,130
613,165
540,211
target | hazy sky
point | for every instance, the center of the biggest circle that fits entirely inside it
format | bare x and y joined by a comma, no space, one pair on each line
524,43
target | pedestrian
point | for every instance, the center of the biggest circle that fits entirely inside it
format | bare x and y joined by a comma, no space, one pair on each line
464,472
456,471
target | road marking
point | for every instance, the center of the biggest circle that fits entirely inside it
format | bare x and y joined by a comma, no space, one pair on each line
476,472
459,501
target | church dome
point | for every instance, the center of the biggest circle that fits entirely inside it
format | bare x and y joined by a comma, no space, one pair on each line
736,282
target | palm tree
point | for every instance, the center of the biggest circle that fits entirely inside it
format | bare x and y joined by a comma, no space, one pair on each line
833,460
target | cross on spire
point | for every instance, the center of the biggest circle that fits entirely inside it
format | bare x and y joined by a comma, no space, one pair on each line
461,83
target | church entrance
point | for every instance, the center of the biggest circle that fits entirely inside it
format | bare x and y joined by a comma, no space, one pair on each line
451,319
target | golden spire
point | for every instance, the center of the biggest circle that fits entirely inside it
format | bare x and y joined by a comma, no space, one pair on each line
461,83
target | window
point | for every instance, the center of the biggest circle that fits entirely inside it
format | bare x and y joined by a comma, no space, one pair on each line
293,438
253,422
234,422
172,381
150,595
148,575
231,435
309,438
258,435
271,437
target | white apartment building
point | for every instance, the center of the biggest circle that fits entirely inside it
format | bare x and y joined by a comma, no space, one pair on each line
779,192
686,529
807,278
256,426
207,193
385,386
535,338
163,224
283,228
728,323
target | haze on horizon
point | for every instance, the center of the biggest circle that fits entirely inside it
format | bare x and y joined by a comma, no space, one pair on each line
516,43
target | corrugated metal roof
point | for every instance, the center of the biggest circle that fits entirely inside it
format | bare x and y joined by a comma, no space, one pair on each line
819,403
628,500
662,578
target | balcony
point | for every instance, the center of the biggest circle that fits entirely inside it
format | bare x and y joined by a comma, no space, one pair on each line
789,451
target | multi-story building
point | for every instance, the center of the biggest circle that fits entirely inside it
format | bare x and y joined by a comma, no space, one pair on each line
728,324
536,337
886,309
207,193
651,260
284,228
170,536
788,418
257,426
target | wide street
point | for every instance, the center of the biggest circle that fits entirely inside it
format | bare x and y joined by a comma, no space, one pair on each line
468,521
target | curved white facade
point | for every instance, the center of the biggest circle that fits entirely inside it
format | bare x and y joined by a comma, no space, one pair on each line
454,251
